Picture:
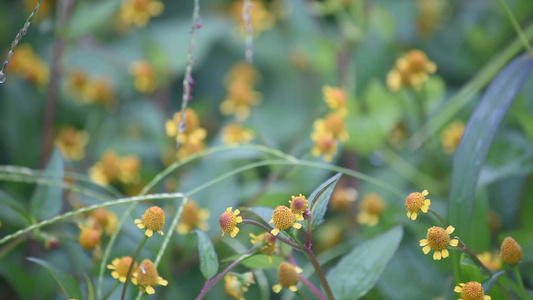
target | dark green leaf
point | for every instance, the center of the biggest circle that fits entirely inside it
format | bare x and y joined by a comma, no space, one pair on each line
357,272
15,206
47,200
319,199
489,284
475,143
208,256
261,261
471,269
67,283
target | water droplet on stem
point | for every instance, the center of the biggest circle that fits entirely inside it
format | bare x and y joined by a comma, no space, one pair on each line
2,77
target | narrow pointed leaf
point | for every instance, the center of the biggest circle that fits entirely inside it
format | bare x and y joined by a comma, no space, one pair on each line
67,283
319,199
208,256
47,200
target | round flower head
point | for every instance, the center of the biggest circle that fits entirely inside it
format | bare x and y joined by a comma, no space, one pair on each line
153,220
288,277
269,243
89,238
342,198
228,222
283,218
298,206
121,267
336,99
415,202
192,217
325,144
371,208
438,239
333,122
511,252
471,291
146,277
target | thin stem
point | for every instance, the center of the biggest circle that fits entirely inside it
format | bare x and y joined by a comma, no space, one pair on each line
517,27
438,217
520,282
312,258
286,241
130,270
309,231
312,288
209,284
249,52
112,289
300,295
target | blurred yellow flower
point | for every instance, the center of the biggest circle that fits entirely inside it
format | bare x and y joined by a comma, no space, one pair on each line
76,81
240,98
451,136
192,217
89,237
98,91
261,18
268,242
71,142
26,64
233,287
192,131
490,260
342,198
105,219
242,71
235,134
370,209
334,123
120,267
144,76
112,168
190,148
336,99
325,144
411,70
139,12
45,9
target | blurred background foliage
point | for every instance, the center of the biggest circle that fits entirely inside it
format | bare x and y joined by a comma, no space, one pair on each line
107,101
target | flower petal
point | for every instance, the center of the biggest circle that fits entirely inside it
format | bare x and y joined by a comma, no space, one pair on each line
458,289
149,232
150,290
425,193
414,215
297,225
277,288
450,229
437,255
445,253
274,231
423,242
426,249
454,242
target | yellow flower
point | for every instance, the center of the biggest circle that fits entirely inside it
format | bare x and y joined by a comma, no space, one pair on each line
153,220
228,221
334,123
72,142
139,12
325,145
415,202
76,82
192,217
146,277
298,206
26,64
336,99
235,134
342,198
145,77
438,239
190,148
120,267
288,276
46,7
105,219
112,168
89,238
283,218
370,209
240,98
471,291
268,241
490,261
98,91
328,235
451,136
242,71
192,131
511,252
260,17
233,287
410,71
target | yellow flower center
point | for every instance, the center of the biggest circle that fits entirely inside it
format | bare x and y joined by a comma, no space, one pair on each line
437,238
472,291
227,221
511,251
299,204
100,216
417,60
154,218
190,214
326,143
374,204
147,274
287,275
335,123
283,218
123,266
89,238
414,201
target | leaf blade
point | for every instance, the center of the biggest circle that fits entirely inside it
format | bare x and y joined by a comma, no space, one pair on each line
319,199
208,256
66,282
46,201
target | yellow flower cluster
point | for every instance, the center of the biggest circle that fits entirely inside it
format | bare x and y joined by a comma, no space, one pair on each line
112,168
451,136
26,64
411,70
234,133
240,82
97,222
268,242
331,130
71,142
370,209
261,17
145,77
236,285
90,90
139,12
192,217
285,218
193,136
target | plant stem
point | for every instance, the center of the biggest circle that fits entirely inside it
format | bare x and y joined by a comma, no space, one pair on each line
516,26
312,287
130,270
300,295
286,241
312,258
309,232
209,284
112,290
522,291
438,217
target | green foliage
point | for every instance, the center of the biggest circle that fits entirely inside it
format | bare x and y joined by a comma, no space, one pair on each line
47,200
67,283
208,256
319,199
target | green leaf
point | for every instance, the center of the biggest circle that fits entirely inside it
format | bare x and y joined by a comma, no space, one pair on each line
91,16
471,270
319,199
261,261
15,206
357,272
208,256
91,292
47,200
475,143
67,283
489,284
